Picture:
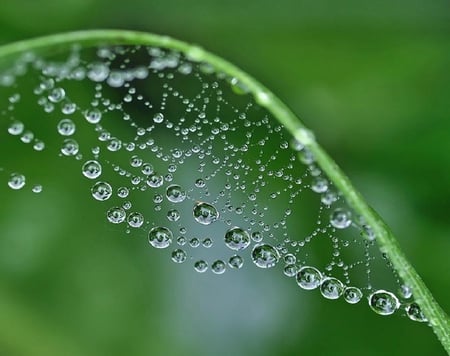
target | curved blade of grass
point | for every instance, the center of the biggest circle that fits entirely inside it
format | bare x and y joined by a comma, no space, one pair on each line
438,319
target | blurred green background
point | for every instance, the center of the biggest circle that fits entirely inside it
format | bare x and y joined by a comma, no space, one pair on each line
371,79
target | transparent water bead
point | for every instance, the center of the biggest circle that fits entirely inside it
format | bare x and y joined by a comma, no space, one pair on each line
135,219
16,181
290,270
218,267
352,295
265,256
66,127
415,313
179,256
160,237
201,266
69,147
155,181
331,288
158,118
93,116
16,128
116,215
91,169
340,219
175,193
236,262
57,95
205,213
101,191
309,277
383,302
37,188
237,239
173,215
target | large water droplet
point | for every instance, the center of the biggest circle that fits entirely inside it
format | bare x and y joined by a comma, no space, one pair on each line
331,288
383,302
175,193
93,116
101,191
69,147
265,256
201,266
155,181
308,278
160,237
91,169
205,213
237,238
16,128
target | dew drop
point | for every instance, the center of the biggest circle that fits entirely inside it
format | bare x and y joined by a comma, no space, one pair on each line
135,219
37,188
290,270
415,313
331,288
352,295
116,215
160,237
308,278
218,267
265,256
205,213
16,181
56,95
173,215
201,266
175,193
91,169
155,181
236,262
101,191
66,127
93,116
158,118
122,192
70,147
383,302
16,128
237,239
340,219
179,256
320,185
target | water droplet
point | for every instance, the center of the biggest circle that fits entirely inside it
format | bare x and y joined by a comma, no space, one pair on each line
205,213
16,128
383,302
265,256
37,188
405,292
201,266
179,256
308,278
173,215
218,267
91,169
122,192
93,116
340,219
175,193
319,185
158,118
98,72
290,270
257,236
135,219
160,237
70,147
415,313
237,238
66,127
16,181
352,295
155,181
116,215
101,191
236,262
331,288
56,95
207,243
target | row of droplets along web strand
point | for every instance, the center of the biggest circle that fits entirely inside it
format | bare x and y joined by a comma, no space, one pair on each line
181,154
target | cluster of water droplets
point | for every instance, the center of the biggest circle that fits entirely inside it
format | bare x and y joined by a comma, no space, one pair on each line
186,157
